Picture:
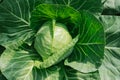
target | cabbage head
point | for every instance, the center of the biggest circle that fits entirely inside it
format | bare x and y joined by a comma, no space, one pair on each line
51,38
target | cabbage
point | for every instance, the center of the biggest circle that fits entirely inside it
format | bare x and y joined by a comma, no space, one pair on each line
49,42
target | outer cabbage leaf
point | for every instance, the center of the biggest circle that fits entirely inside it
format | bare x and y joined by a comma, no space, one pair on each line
110,69
89,5
89,51
71,74
111,7
19,65
16,65
52,73
15,21
61,13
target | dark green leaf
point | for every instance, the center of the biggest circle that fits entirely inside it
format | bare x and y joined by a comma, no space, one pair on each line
89,50
61,13
15,21
71,74
89,5
2,77
52,73
1,49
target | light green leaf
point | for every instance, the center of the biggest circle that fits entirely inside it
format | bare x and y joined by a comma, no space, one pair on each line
15,21
48,41
89,50
19,65
113,4
110,69
111,7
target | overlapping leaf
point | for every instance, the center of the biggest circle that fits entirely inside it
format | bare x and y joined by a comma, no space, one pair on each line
53,73
15,21
89,50
71,74
58,56
110,69
61,13
111,7
19,65
88,5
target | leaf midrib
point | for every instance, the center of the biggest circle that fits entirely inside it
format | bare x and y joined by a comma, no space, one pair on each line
90,43
107,47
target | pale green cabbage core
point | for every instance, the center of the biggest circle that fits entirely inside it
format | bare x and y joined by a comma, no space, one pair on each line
49,40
